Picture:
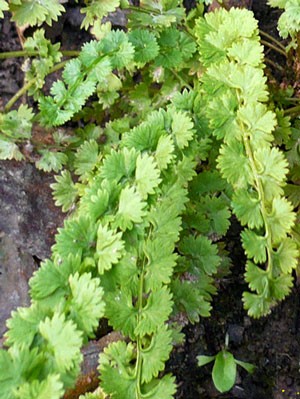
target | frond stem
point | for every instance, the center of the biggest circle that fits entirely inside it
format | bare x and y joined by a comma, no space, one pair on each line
273,47
270,37
27,86
26,53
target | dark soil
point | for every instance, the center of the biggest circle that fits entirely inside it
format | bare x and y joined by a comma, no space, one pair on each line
271,343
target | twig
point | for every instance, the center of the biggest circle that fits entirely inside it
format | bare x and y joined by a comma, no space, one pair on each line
273,47
27,86
277,42
26,53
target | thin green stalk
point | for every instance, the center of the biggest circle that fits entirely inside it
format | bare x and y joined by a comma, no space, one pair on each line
143,10
181,80
26,53
292,111
27,86
273,47
18,94
275,65
259,188
277,42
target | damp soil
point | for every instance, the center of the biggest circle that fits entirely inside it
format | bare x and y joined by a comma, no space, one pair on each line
272,343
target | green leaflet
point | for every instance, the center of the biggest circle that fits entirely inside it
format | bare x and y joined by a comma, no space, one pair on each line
289,20
77,231
145,45
63,342
86,304
14,126
97,9
131,208
35,13
64,191
109,248
50,388
3,7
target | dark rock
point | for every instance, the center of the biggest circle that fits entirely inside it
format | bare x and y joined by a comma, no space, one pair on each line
28,215
28,223
16,267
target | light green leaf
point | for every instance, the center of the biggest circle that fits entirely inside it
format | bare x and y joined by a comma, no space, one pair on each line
203,253
3,7
64,191
161,261
281,286
131,208
78,237
255,246
248,51
17,124
286,256
10,150
247,207
95,204
145,45
121,313
35,13
62,341
259,122
51,160
224,371
56,273
234,165
120,50
146,175
164,152
257,278
155,312
156,353
160,388
272,168
96,10
280,219
119,164
50,388
203,360
86,158
109,248
182,128
72,71
247,366
116,366
23,325
86,305
9,379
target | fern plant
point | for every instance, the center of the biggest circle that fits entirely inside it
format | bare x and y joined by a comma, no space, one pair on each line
150,193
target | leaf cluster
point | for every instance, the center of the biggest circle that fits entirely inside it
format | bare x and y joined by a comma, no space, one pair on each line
235,87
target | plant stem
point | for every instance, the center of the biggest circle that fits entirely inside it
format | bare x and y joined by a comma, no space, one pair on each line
291,111
143,10
277,42
26,53
273,47
258,186
181,80
18,94
275,65
27,86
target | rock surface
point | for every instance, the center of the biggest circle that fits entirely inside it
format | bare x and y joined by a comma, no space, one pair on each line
28,223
